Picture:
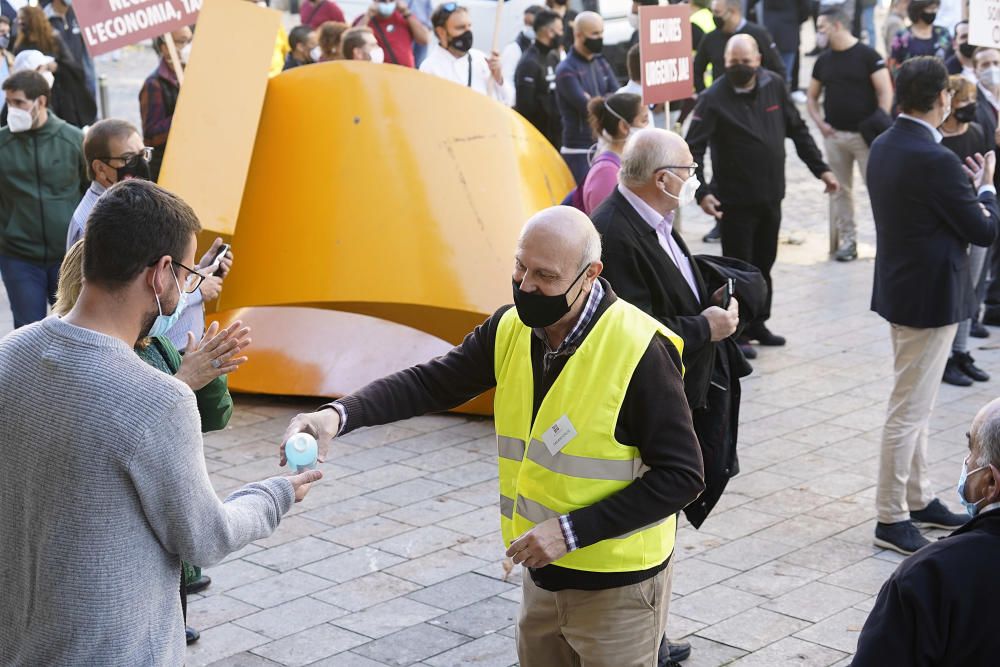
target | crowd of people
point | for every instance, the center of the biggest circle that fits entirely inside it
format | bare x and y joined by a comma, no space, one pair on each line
605,291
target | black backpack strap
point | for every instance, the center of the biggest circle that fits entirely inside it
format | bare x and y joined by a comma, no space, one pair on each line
385,40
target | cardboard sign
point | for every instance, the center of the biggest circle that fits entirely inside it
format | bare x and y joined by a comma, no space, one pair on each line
107,25
665,53
984,23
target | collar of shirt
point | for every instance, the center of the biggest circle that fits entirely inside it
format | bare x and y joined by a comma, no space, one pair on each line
742,24
586,315
989,507
97,188
164,72
934,131
990,97
658,222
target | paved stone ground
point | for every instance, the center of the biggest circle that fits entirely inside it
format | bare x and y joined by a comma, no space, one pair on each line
395,558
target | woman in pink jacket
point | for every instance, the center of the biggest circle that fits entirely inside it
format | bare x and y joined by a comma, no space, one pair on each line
612,119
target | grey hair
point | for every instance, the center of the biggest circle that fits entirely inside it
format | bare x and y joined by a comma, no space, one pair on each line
987,433
592,249
645,151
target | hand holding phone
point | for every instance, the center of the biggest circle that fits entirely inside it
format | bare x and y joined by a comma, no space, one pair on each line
727,293
215,268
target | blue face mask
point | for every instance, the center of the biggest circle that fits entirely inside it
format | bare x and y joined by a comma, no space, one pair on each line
164,323
971,508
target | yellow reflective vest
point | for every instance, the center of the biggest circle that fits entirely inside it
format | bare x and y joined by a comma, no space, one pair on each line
703,19
572,459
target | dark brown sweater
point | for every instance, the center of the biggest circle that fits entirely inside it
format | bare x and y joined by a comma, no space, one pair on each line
654,417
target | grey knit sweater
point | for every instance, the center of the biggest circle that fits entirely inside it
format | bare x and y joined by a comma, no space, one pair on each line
103,490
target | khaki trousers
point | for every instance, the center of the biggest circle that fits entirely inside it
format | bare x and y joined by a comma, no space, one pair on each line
843,149
617,627
920,356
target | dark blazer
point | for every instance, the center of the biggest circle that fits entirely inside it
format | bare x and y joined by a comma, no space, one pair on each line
931,610
644,275
926,215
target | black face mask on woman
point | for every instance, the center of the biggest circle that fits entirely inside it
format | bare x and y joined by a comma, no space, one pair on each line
965,114
539,310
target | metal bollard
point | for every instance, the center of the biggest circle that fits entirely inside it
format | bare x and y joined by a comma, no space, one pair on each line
102,91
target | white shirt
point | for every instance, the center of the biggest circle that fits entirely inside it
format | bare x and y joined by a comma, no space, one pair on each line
441,63
664,227
509,58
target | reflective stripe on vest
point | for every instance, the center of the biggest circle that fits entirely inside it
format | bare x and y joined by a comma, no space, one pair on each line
703,19
537,484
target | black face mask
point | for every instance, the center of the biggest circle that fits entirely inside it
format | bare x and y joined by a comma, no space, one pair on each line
136,167
928,17
965,114
719,21
740,75
462,43
594,44
539,310
967,50
561,2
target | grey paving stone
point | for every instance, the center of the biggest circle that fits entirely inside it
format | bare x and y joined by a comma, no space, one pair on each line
291,555
480,619
366,591
435,567
430,511
376,436
234,574
413,491
470,473
352,564
460,591
432,441
310,645
815,601
746,552
346,511
830,555
839,631
477,523
488,547
801,531
420,541
412,644
791,651
380,477
244,660
865,576
753,629
221,642
693,574
281,588
372,458
292,528
489,651
773,579
364,531
738,522
715,603
388,617
212,611
347,659
442,459
291,617
707,653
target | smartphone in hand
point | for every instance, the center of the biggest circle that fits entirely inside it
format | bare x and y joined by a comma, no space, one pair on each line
216,266
727,294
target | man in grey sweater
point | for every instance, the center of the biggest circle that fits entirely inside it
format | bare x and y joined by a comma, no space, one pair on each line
104,488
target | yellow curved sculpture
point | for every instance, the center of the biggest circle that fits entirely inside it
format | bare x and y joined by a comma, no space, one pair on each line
373,209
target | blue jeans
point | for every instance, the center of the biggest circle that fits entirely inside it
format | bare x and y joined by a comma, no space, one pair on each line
419,53
789,60
868,26
31,288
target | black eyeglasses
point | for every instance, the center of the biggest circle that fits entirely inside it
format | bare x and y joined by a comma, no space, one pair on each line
129,158
193,280
690,167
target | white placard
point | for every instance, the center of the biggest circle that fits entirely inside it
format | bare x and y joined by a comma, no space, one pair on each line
984,23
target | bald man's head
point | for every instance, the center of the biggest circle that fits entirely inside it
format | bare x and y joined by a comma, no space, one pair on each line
727,14
588,33
985,435
742,60
648,151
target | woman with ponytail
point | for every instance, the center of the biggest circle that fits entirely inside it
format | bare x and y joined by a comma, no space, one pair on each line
612,119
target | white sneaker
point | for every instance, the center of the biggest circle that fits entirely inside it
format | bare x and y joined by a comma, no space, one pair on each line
799,97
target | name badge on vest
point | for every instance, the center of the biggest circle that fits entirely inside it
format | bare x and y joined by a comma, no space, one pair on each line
559,435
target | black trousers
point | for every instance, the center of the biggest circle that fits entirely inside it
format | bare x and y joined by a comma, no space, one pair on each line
750,233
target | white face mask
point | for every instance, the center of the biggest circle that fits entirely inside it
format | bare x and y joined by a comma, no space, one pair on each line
688,190
316,54
377,55
633,20
19,120
528,32
990,77
185,54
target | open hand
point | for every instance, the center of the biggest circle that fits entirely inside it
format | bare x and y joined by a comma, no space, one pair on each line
302,481
710,204
830,181
540,546
980,168
214,355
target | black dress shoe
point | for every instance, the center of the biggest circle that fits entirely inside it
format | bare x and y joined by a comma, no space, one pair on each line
191,635
977,330
199,585
902,537
713,236
747,349
763,335
936,515
954,375
967,365
679,651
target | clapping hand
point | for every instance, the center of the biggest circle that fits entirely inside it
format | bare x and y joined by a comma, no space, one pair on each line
214,356
980,168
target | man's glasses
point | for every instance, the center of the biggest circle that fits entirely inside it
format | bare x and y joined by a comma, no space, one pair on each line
690,167
131,158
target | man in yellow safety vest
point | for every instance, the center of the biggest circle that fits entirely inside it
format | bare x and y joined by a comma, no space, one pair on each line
597,453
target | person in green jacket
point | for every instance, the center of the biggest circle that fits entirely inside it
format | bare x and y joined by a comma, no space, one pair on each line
203,367
43,175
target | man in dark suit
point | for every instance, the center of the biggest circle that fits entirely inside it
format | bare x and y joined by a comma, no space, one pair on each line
931,610
649,265
927,212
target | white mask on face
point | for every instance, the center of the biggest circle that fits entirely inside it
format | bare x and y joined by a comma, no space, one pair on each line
316,53
990,77
185,54
377,55
633,20
19,120
688,190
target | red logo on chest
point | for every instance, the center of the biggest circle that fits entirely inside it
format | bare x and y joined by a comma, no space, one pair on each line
774,108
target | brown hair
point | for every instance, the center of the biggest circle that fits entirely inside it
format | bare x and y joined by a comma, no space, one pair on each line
352,39
96,143
70,280
36,32
329,38
604,113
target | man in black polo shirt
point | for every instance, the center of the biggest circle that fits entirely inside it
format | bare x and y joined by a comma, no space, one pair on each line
744,118
535,77
855,84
